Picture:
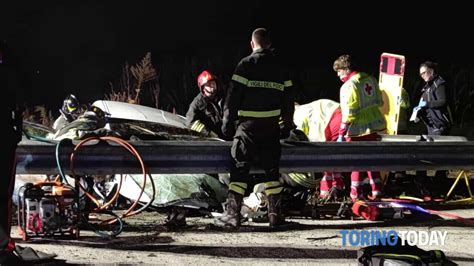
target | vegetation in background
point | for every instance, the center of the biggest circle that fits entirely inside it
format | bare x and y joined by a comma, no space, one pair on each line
138,84
40,115
460,81
462,95
173,87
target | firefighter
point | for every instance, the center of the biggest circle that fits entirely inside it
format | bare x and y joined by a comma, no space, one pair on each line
11,114
360,99
260,92
205,112
320,121
70,111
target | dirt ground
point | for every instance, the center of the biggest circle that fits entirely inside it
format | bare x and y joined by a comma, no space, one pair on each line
303,241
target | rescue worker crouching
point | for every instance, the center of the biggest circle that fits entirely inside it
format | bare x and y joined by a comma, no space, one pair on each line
70,111
260,92
205,111
320,121
434,110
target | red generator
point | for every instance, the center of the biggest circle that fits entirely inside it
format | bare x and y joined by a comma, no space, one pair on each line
47,209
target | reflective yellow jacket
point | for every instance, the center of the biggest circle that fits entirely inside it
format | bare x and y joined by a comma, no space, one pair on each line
360,101
314,117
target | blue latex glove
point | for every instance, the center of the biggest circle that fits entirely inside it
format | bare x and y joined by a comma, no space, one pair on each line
414,115
422,104
340,138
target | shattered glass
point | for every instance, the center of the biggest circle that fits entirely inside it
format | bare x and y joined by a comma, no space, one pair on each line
184,190
196,191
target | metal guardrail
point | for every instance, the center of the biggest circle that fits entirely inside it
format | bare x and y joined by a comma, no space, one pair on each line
214,157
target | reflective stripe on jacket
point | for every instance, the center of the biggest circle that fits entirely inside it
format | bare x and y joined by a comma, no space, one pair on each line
314,117
360,101
260,88
205,116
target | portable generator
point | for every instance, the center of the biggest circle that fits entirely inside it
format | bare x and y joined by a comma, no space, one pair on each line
47,209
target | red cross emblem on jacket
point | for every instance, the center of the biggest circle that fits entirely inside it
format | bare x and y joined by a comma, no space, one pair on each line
368,89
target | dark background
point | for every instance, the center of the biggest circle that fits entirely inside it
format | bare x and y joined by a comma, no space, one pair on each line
80,46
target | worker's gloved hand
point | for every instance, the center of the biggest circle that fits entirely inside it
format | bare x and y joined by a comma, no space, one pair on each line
285,132
212,134
228,131
422,104
286,128
340,138
414,116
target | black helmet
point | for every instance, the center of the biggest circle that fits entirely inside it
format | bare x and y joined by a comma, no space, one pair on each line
71,108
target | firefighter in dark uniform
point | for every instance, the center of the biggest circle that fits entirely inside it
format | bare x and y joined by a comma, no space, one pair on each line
11,138
205,111
11,117
204,116
260,93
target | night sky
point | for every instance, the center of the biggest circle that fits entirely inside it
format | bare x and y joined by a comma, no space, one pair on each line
80,46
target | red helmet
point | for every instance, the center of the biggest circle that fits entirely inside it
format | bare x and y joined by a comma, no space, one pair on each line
204,78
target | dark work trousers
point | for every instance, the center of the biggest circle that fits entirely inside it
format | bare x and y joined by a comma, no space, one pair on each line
437,131
256,142
7,182
424,183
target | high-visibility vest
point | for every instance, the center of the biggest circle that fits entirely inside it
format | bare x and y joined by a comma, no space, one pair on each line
360,101
314,117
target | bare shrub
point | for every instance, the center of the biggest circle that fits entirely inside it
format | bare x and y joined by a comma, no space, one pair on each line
138,84
40,115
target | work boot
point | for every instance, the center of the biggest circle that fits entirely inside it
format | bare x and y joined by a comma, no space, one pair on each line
9,258
176,217
231,217
24,256
275,210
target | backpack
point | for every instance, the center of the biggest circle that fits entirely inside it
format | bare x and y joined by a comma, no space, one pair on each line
399,255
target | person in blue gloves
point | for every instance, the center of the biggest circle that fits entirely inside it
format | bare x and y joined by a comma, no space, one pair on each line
433,108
